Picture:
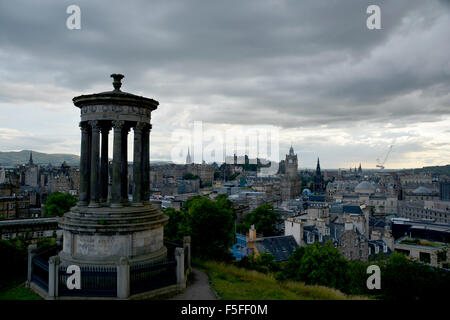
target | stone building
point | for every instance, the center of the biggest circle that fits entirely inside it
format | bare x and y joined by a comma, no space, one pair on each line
167,176
436,211
30,229
381,203
14,207
290,184
420,193
353,245
435,254
444,190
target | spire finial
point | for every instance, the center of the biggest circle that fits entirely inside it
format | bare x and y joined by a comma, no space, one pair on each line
117,83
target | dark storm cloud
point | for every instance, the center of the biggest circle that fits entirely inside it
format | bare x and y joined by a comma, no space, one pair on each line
310,61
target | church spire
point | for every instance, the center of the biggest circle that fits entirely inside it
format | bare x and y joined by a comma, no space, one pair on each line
291,150
318,166
188,157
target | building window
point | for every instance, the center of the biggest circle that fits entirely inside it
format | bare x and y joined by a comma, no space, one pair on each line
377,249
442,256
425,257
405,252
310,238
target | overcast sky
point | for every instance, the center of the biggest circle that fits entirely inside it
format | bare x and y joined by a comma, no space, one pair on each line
311,69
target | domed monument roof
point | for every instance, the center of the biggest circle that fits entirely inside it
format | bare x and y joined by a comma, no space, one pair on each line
365,187
422,190
115,105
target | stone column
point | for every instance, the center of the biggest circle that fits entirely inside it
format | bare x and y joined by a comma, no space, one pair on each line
179,257
137,164
95,154
53,275
146,164
124,167
116,187
31,253
104,164
84,165
123,278
187,244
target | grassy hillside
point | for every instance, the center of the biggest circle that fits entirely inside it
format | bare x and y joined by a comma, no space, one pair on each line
232,283
11,158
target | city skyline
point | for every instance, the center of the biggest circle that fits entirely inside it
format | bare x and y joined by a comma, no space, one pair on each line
333,88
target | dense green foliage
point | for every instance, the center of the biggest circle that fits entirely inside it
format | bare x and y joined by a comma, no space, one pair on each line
263,217
210,223
59,203
14,255
317,264
264,263
190,176
401,279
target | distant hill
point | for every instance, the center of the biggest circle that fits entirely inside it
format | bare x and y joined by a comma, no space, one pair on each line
12,158
432,169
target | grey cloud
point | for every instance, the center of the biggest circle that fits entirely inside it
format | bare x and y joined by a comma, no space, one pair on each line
288,63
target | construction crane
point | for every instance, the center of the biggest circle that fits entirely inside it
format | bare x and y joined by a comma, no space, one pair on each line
381,164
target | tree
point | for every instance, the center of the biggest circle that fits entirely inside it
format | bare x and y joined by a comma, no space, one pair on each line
59,203
318,264
263,217
210,223
176,228
264,262
190,176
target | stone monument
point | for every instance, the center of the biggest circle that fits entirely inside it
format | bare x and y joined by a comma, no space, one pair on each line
106,226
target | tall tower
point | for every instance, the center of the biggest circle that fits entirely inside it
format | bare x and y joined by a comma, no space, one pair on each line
291,164
290,186
30,162
318,185
188,158
318,173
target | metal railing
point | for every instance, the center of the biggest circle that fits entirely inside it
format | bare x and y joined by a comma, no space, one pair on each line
39,273
146,277
96,281
186,258
171,248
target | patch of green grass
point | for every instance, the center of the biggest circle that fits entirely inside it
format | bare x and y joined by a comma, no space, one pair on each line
233,283
17,291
